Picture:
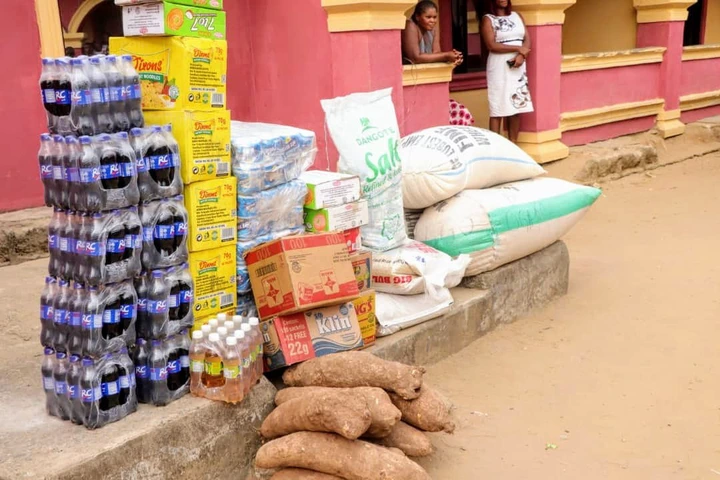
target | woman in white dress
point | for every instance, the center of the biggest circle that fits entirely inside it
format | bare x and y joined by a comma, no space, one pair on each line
504,34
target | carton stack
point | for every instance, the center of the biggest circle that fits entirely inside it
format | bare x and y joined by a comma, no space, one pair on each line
180,53
334,204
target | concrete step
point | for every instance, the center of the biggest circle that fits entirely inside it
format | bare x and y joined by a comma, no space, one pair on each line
194,438
23,235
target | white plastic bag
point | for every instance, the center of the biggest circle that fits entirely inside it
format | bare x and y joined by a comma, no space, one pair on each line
498,225
440,162
365,131
396,312
416,268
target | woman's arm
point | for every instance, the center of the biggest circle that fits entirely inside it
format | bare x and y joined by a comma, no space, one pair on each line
411,47
523,53
488,35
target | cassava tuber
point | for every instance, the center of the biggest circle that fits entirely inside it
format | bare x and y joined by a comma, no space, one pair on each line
335,455
429,412
383,413
302,474
411,441
357,369
325,411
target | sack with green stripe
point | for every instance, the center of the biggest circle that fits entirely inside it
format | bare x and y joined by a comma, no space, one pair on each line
499,225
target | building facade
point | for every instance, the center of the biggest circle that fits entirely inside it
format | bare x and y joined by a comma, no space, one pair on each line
599,68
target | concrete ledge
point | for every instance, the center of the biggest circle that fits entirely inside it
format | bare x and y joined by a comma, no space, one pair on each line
23,235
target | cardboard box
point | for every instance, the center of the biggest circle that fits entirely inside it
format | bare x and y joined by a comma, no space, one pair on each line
204,139
294,338
211,207
365,311
214,4
353,240
330,189
296,273
164,18
213,273
177,73
335,219
362,268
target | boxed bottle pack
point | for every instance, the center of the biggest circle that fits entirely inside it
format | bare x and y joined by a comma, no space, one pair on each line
213,272
204,139
294,338
177,73
330,189
211,207
173,19
297,273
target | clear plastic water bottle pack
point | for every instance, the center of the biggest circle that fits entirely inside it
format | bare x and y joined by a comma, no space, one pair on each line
165,299
88,174
87,321
86,391
271,210
246,305
158,162
265,155
90,96
162,369
165,225
97,248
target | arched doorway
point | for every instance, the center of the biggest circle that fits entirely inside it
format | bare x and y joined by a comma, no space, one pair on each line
91,24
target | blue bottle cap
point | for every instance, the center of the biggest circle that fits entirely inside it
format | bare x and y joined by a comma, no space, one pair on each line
60,355
75,62
156,128
111,58
70,139
45,137
74,358
156,343
122,135
85,140
104,137
59,138
87,361
79,286
95,59
49,351
136,132
127,58
157,274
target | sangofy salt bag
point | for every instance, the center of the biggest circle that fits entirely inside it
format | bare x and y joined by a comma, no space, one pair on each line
365,131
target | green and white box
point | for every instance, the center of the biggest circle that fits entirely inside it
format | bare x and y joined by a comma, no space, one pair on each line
330,189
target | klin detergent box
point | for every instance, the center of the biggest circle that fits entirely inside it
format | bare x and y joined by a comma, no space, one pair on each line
178,73
167,18
212,207
204,139
365,311
334,219
330,189
300,272
213,272
294,338
214,4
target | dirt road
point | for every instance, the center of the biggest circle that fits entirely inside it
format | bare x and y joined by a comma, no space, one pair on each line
620,379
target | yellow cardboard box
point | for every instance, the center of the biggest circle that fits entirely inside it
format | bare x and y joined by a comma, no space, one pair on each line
213,272
211,207
365,311
204,139
178,73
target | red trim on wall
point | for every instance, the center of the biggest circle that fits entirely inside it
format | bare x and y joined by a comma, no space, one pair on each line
690,116
468,81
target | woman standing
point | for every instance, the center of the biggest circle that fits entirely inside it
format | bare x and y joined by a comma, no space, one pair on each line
509,44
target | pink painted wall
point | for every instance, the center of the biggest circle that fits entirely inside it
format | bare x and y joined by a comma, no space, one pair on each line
700,76
669,35
606,132
543,67
699,114
22,117
425,106
67,10
599,88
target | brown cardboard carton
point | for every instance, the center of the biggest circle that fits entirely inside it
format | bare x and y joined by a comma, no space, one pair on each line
301,272
362,268
365,311
294,338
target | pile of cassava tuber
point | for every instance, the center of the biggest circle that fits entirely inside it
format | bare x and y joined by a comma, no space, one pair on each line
352,416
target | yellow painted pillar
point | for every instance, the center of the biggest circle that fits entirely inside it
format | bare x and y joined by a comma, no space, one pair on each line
49,27
661,24
540,134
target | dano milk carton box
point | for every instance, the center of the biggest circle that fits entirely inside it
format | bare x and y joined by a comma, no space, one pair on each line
294,338
300,272
214,4
178,73
211,207
172,19
204,139
213,272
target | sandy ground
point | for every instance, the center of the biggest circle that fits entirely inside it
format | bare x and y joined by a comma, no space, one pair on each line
620,378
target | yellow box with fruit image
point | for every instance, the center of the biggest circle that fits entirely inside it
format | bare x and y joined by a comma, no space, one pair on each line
204,139
213,273
178,73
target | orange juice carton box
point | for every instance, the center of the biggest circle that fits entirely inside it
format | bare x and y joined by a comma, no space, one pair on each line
204,140
340,218
296,337
211,207
178,73
167,18
300,272
330,189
